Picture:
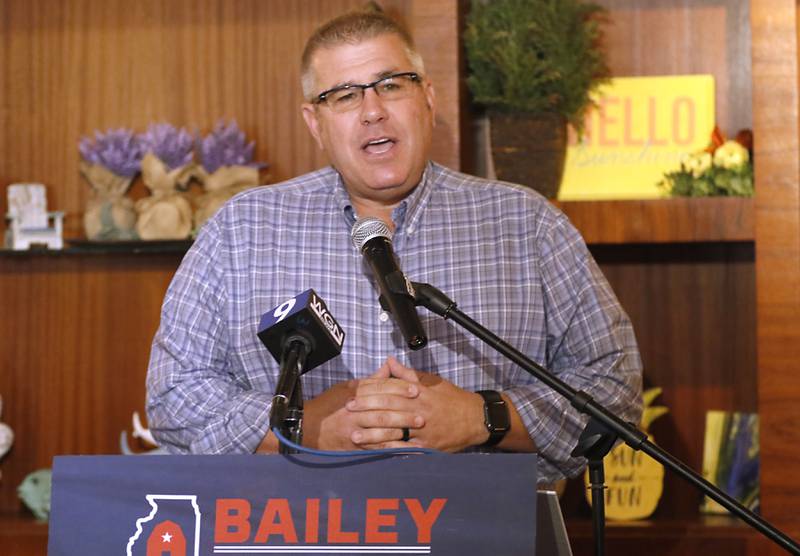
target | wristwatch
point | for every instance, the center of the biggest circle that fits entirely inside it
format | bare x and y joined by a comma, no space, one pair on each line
495,416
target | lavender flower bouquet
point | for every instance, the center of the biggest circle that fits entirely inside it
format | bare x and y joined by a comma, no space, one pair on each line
110,162
227,168
166,166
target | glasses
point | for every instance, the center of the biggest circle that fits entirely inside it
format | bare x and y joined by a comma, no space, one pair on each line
348,97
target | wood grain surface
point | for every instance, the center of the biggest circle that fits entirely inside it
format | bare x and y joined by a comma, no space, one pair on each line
775,115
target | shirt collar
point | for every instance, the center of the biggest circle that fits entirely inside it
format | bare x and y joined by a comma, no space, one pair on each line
405,215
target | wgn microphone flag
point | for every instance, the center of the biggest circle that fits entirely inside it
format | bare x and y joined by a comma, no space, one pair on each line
306,315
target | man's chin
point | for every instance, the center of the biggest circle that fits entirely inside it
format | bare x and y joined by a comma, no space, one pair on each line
390,188
387,185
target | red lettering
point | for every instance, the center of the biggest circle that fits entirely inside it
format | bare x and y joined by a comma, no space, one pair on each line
276,520
606,122
376,520
630,140
683,104
424,519
166,538
232,523
312,520
653,125
335,533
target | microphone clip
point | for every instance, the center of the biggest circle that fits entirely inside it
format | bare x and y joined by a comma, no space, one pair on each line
398,284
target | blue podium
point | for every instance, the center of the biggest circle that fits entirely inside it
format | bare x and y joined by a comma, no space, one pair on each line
442,504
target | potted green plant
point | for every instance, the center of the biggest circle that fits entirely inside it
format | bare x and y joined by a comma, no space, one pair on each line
534,64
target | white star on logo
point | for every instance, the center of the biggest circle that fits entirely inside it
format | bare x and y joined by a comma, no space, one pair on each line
166,537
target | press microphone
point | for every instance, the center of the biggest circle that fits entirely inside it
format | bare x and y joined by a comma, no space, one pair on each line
304,317
301,334
371,236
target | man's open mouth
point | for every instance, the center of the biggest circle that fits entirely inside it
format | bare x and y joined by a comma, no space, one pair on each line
378,145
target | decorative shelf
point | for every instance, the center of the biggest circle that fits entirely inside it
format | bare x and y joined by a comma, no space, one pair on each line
17,524
681,220
668,537
86,247
21,535
705,526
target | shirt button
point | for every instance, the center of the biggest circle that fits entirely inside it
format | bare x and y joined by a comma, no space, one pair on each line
410,229
384,316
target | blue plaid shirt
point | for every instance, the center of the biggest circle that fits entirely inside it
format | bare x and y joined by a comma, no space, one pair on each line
509,259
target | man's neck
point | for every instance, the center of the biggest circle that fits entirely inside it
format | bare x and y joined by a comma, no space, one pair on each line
365,208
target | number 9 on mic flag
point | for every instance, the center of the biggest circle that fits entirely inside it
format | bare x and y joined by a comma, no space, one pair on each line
307,315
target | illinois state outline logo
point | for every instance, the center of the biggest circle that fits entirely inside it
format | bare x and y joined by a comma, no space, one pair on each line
172,527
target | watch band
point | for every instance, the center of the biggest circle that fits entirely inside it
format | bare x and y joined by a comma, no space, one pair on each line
495,416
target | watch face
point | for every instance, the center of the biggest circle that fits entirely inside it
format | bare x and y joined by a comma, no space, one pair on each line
497,417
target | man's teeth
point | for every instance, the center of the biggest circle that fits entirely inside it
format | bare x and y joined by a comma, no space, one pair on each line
378,142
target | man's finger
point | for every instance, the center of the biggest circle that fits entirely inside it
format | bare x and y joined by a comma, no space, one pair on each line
413,443
388,419
382,372
398,370
387,386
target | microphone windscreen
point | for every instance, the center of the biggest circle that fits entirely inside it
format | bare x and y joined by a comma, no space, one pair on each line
368,228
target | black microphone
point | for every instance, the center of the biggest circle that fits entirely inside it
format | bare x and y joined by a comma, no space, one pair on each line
372,237
305,316
301,334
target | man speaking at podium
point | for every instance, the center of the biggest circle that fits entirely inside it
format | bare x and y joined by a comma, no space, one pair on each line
507,257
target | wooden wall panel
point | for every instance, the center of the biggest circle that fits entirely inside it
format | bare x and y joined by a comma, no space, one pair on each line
70,68
775,115
74,345
675,37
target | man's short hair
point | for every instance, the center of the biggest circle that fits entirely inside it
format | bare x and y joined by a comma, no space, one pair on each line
352,28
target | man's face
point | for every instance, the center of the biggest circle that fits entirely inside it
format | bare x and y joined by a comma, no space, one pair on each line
380,148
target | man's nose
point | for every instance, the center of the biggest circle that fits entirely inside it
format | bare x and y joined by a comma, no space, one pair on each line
372,108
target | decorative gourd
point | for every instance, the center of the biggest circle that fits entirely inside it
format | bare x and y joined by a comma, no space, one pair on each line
634,480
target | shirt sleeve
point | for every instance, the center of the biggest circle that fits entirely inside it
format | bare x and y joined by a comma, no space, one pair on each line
590,346
194,402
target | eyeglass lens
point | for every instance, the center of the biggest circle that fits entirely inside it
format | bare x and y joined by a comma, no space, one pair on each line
392,87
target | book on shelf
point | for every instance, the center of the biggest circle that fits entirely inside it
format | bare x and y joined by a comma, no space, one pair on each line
731,458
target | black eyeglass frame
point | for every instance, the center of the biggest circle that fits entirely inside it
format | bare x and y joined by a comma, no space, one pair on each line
323,96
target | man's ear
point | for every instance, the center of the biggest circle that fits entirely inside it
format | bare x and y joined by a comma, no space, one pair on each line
430,99
313,123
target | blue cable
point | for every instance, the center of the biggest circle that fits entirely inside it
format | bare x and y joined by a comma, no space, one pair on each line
350,453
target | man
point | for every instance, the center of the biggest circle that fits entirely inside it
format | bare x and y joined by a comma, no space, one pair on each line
510,260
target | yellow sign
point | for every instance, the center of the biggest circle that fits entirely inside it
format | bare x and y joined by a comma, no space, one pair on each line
642,128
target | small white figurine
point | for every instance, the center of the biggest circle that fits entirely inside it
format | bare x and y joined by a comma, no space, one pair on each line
30,221
6,435
139,432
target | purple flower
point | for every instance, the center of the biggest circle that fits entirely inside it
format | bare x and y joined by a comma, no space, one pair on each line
225,146
118,150
171,145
